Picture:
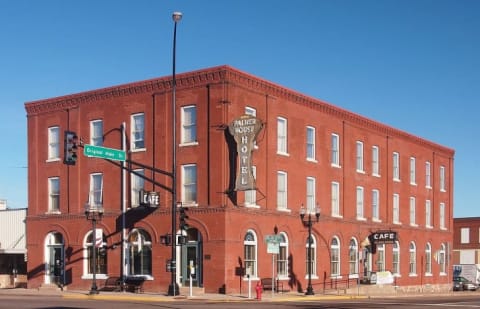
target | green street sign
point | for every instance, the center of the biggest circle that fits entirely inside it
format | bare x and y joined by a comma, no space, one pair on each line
104,152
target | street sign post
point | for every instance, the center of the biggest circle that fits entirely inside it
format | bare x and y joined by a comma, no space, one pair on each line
104,152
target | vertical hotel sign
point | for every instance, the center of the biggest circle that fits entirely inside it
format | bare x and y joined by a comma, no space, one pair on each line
245,130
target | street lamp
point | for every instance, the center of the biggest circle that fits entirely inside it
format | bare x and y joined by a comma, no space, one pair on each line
173,287
94,213
307,222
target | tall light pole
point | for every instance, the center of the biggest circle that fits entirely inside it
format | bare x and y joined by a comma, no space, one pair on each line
94,213
307,222
173,287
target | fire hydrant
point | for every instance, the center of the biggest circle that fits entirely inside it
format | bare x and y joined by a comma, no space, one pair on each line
259,290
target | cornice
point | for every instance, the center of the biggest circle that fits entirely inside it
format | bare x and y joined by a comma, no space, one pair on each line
230,75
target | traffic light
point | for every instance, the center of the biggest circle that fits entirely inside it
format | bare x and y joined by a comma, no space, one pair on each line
183,217
70,148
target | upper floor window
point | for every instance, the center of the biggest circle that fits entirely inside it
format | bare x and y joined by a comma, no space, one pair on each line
336,199
95,197
413,208
428,182
442,178
189,184
53,143
442,215
137,185
375,161
360,205
138,131
189,124
428,214
311,195
396,166
311,143
281,190
54,194
96,132
465,235
335,155
250,111
412,171
359,157
251,195
396,208
375,205
282,135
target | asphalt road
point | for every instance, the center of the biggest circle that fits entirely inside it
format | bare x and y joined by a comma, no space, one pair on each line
54,302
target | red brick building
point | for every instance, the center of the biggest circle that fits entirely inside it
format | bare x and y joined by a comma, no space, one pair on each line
466,240
366,177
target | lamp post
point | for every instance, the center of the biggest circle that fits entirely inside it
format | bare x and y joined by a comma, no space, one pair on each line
173,287
94,213
308,222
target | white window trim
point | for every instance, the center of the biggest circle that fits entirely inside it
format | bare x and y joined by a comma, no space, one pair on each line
58,143
376,158
335,161
182,131
359,157
283,152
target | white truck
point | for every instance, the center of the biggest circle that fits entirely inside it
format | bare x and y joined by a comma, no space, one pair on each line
468,271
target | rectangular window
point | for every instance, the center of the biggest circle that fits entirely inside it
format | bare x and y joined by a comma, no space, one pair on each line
412,211
412,171
359,157
428,172
428,213
442,178
336,199
189,184
375,205
189,124
281,190
138,131
310,195
465,235
251,195
375,161
360,205
311,143
396,208
442,215
335,160
250,111
95,198
53,143
396,166
137,184
54,194
96,132
282,135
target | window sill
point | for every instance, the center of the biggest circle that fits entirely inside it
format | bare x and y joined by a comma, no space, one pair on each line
376,220
361,219
97,276
138,150
53,212
397,223
337,216
376,175
188,144
360,172
312,160
336,165
251,205
313,276
284,210
284,154
52,160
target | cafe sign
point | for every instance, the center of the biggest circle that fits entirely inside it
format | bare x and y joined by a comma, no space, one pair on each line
383,237
245,130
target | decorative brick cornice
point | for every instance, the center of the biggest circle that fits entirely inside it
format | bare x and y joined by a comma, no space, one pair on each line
225,73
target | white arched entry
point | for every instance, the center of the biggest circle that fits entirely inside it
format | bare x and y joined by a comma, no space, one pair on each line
54,259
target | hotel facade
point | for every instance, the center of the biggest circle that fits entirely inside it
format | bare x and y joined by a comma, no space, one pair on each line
251,156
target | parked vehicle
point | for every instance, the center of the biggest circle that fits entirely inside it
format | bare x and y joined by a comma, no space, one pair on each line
462,283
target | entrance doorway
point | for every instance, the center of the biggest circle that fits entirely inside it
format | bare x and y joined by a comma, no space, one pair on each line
54,259
191,259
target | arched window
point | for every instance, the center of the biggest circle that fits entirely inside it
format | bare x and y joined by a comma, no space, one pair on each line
428,259
139,253
381,257
396,259
250,253
311,265
100,254
353,257
442,260
282,259
413,259
335,257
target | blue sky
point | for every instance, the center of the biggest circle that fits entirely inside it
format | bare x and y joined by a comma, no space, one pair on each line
411,64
